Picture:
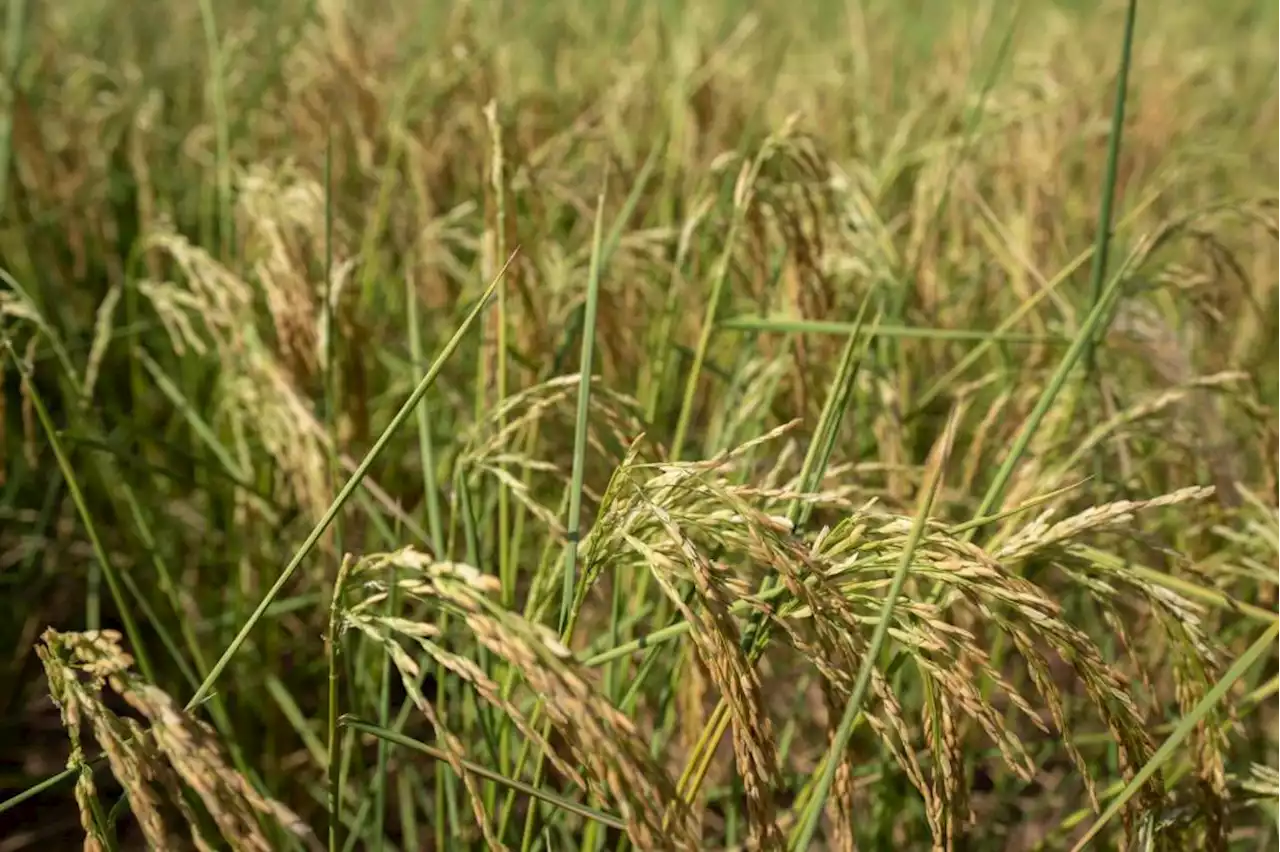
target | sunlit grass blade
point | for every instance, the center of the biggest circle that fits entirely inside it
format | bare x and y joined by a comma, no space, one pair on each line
333,640
573,534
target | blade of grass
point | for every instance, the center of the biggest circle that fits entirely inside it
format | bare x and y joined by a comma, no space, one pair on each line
222,143
488,774
14,30
742,202
426,443
86,516
506,567
1102,242
297,718
995,493
812,471
407,782
430,487
333,640
602,253
1185,726
197,423
330,343
332,650
402,718
123,456
573,533
352,483
808,821
795,325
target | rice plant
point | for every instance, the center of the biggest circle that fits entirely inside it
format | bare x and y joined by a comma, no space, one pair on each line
639,426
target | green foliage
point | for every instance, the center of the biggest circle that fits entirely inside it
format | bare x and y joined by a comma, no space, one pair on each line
915,485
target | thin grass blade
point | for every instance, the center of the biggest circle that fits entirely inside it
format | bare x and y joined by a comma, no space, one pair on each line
817,801
347,490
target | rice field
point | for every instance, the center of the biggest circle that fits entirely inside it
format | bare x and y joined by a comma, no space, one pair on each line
623,426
